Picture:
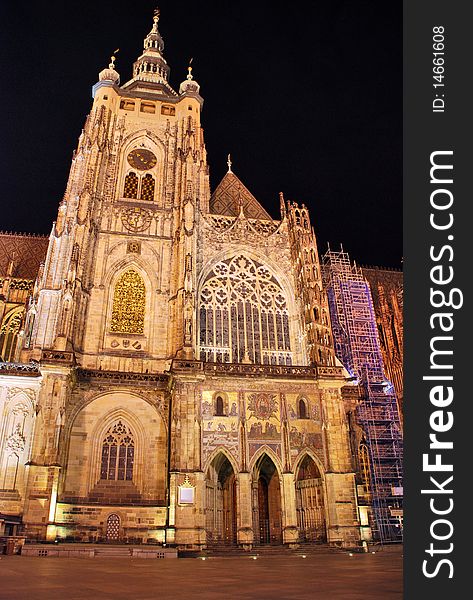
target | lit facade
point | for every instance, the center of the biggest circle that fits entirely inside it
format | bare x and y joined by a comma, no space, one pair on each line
176,379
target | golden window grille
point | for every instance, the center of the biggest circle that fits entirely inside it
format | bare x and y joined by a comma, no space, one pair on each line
147,188
131,186
129,299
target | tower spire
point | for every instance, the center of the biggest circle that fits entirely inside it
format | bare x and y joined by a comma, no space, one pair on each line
150,70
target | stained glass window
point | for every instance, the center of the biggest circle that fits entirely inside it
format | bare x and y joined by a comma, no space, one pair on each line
129,298
243,315
118,453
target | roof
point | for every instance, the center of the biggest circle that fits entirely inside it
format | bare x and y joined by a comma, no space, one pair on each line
27,252
227,197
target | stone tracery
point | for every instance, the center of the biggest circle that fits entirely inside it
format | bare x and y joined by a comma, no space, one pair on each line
243,315
118,450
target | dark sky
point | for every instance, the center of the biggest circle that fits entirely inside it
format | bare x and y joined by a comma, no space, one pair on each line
306,96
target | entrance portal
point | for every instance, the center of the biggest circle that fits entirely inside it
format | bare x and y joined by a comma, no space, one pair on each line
221,503
266,502
310,502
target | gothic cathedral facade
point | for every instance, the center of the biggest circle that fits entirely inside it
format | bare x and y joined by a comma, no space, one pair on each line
177,380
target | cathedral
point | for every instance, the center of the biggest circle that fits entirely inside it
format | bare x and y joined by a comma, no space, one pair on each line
170,371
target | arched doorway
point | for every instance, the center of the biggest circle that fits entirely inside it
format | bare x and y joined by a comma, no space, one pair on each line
112,533
310,502
266,502
221,502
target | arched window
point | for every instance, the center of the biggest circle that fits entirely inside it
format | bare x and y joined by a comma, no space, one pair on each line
118,453
219,408
147,188
130,189
129,299
243,315
9,334
364,460
303,409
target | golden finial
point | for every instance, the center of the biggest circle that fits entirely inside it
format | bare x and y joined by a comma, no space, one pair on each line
156,13
229,163
189,69
112,59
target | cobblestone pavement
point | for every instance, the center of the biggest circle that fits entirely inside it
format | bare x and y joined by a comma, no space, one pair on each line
323,576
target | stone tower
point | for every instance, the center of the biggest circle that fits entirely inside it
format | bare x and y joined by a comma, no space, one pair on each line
184,386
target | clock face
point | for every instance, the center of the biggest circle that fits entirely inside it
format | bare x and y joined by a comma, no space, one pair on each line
142,159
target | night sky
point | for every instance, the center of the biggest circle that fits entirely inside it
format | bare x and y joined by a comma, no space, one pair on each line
306,96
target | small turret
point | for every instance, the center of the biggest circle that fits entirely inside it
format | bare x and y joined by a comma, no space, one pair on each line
189,85
110,74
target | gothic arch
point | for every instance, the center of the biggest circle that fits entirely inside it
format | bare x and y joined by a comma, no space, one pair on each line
133,138
318,463
226,454
254,255
84,437
130,262
221,499
95,396
271,454
97,435
27,395
158,172
119,260
16,435
311,499
267,497
9,331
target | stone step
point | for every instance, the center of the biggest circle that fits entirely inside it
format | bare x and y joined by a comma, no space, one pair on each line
268,550
113,551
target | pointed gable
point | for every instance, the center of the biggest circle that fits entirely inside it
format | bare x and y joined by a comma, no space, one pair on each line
227,196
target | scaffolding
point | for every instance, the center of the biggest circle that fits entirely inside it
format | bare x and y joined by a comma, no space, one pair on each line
357,346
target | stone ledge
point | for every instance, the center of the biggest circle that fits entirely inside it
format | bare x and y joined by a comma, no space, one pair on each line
21,369
120,376
97,551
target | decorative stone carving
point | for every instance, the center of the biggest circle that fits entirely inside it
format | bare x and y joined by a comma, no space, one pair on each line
16,442
136,219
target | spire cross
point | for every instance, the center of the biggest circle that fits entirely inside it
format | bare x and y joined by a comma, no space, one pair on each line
229,163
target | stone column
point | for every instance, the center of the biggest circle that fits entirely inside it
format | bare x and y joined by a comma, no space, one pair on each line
343,528
245,536
290,533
